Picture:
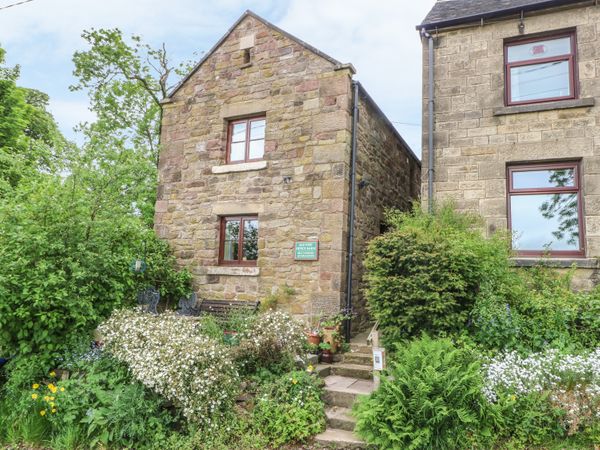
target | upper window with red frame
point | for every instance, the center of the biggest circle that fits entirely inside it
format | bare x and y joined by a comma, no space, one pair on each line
541,69
544,206
246,140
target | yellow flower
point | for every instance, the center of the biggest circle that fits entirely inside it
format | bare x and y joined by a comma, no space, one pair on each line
294,381
51,398
35,386
53,374
53,410
46,398
52,388
310,368
43,412
62,389
34,396
51,404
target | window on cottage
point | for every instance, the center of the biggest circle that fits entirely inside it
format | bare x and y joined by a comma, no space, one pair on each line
540,70
545,209
239,240
246,140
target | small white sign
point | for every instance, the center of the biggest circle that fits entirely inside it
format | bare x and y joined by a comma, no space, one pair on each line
378,358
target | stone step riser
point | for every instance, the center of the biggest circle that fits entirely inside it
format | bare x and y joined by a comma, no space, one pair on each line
341,399
340,439
341,423
361,348
358,358
353,372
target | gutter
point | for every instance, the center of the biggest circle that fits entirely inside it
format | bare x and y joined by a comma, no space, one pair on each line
430,105
348,307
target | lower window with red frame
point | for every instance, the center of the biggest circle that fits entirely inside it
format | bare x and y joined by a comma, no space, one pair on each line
545,210
239,241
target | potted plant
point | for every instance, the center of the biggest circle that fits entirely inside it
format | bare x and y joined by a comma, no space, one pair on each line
331,331
313,349
314,333
327,355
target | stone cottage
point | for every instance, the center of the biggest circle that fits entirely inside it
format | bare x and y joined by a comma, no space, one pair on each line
510,87
256,172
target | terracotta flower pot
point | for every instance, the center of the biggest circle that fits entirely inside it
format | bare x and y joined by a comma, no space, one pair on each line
313,338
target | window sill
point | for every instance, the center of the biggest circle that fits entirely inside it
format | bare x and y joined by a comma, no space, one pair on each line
234,271
558,263
562,104
242,167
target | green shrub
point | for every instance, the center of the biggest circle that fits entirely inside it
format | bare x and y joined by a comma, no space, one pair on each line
65,255
290,408
429,398
534,309
528,420
425,273
104,406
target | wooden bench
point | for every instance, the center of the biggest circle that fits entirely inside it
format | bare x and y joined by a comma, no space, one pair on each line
221,309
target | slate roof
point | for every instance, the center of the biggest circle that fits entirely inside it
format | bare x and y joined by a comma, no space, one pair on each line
455,12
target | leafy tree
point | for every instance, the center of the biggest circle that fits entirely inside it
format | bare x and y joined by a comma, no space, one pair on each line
29,137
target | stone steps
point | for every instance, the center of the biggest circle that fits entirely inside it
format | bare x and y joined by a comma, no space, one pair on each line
344,382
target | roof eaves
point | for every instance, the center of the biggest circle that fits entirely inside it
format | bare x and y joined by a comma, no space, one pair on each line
494,14
387,121
318,52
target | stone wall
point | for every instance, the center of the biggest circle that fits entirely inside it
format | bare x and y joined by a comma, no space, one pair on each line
299,194
390,176
475,137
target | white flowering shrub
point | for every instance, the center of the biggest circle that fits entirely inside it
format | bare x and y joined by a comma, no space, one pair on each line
270,341
572,382
170,355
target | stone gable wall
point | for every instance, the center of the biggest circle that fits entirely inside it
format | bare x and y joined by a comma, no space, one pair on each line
473,145
302,192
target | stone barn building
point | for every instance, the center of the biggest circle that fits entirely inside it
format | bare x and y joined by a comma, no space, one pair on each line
515,129
256,172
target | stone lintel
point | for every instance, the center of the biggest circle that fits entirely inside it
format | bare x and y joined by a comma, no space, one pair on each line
549,106
233,271
235,208
242,167
557,263
233,110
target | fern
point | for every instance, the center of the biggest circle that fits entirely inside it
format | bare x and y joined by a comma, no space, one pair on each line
429,398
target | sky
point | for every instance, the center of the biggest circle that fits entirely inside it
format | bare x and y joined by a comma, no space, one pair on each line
377,37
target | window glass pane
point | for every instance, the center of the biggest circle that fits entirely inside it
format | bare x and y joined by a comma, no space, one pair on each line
257,149
238,151
257,129
539,49
238,133
552,178
250,250
540,81
545,222
231,243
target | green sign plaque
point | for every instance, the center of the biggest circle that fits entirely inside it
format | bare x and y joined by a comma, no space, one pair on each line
306,251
